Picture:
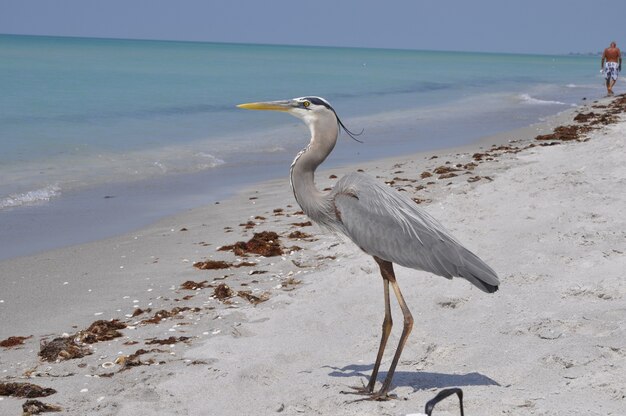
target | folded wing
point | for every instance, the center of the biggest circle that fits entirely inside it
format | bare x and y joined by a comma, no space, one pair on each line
389,225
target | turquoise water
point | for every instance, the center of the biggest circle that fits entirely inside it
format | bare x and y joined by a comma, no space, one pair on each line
85,115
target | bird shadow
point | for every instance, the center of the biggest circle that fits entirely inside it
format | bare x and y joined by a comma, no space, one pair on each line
417,380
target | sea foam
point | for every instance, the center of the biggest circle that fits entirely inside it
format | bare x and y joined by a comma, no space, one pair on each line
31,197
527,99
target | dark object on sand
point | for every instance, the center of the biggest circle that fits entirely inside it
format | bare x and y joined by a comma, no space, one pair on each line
447,175
191,285
34,407
62,349
584,118
220,264
299,235
27,390
167,341
428,409
222,292
266,243
303,224
101,330
164,314
13,341
248,225
67,348
140,311
211,265
565,133
444,169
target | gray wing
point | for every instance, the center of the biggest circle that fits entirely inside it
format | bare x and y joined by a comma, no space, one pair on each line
389,225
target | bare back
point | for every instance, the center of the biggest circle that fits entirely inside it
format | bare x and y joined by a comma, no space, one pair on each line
612,54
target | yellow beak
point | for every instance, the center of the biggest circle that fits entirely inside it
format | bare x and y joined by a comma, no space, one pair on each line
271,105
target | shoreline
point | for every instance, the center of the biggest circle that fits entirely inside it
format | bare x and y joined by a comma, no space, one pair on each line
108,209
117,208
317,280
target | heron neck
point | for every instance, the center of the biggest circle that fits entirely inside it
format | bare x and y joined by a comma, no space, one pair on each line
311,200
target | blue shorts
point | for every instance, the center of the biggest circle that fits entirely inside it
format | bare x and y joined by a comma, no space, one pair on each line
610,70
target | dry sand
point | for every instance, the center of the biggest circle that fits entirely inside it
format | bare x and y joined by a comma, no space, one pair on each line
549,219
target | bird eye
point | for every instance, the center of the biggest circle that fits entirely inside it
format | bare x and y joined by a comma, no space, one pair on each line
305,104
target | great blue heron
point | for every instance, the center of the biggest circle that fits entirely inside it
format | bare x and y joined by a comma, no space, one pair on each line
382,222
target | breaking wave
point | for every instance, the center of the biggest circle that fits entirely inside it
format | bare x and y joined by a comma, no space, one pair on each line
527,99
31,197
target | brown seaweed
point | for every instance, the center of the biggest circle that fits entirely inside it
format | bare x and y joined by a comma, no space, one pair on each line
265,243
168,341
584,118
302,224
448,175
565,133
101,330
212,264
298,235
248,225
164,314
191,285
27,390
62,349
34,407
13,341
443,170
223,292
140,311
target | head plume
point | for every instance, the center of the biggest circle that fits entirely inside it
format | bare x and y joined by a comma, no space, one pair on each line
323,102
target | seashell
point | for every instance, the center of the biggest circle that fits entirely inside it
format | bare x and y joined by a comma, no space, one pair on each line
108,364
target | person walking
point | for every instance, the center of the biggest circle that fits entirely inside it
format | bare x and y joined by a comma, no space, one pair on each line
611,65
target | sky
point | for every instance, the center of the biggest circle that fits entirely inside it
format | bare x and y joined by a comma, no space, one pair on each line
515,26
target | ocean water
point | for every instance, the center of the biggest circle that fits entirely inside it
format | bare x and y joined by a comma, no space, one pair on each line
99,136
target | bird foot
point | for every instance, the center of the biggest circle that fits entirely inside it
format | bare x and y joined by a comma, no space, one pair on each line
378,396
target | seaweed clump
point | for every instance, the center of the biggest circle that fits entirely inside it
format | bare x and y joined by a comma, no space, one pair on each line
101,331
223,292
62,348
34,407
565,133
13,341
27,390
220,264
265,243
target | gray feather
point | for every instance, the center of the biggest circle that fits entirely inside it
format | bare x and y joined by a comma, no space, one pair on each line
389,225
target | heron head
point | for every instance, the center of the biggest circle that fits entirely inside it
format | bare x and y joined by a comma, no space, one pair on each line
314,111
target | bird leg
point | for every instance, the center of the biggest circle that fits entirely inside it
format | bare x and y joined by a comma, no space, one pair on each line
406,330
386,270
387,324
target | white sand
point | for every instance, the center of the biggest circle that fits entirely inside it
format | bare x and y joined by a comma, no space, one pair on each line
550,342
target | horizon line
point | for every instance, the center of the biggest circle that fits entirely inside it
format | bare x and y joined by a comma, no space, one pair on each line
299,45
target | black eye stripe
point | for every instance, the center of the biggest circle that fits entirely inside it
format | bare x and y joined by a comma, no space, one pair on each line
317,101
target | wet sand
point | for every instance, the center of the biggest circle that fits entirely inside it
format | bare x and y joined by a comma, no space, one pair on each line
207,331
